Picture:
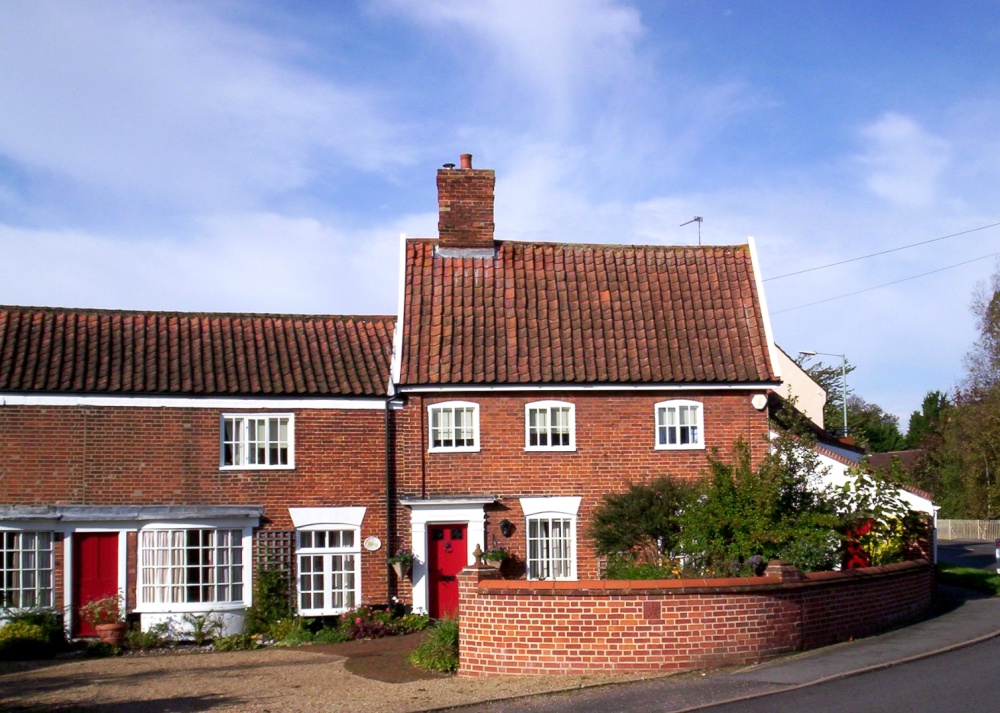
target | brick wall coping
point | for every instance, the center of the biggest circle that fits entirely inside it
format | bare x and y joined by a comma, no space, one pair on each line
605,587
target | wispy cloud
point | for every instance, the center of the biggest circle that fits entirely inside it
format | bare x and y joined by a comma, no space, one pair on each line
169,103
904,160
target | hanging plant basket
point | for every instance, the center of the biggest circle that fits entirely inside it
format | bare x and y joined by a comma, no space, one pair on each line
402,569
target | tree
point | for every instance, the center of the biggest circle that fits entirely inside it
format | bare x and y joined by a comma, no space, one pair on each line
867,423
873,428
927,422
831,379
982,363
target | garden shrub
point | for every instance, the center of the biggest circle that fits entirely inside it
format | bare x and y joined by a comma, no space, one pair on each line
642,524
271,601
236,642
22,641
153,638
43,629
440,651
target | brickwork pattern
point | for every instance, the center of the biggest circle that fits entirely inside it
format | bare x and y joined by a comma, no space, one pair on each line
519,627
82,455
615,434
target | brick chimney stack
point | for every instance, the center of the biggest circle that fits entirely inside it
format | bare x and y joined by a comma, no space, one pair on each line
465,205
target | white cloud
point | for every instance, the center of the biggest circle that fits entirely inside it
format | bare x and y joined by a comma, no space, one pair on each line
260,262
905,161
557,48
170,103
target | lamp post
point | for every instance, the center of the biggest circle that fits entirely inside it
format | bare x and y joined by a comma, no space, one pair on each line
843,376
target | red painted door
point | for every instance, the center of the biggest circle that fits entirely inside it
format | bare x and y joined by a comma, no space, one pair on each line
95,572
447,554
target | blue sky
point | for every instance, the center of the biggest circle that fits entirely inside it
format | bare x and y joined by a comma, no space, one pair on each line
265,157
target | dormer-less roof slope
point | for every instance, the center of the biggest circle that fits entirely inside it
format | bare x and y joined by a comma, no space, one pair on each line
544,313
71,351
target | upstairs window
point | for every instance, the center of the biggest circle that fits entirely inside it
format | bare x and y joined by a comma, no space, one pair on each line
679,425
257,441
454,427
549,426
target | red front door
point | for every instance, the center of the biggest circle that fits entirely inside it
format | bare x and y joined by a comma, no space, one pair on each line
95,572
447,554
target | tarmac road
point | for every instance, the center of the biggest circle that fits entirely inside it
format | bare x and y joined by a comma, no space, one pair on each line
951,658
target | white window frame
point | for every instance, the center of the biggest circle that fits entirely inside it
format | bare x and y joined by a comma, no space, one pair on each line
679,406
157,596
242,442
18,564
327,556
439,409
546,408
547,510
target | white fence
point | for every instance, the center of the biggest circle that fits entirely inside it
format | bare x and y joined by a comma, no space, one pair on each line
968,530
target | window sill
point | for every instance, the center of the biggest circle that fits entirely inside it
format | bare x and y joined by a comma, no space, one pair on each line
464,449
697,447
257,467
189,607
550,449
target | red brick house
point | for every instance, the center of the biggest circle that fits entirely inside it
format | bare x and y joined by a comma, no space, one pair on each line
164,454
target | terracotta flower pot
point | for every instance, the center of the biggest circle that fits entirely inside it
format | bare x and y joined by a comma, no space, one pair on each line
495,563
113,634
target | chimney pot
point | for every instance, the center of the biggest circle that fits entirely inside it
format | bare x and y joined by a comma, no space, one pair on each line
465,206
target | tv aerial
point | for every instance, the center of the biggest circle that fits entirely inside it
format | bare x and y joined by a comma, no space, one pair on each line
697,219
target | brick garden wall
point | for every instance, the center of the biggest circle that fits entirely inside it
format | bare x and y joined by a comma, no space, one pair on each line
519,627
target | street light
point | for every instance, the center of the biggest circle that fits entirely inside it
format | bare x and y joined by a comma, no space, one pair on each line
843,376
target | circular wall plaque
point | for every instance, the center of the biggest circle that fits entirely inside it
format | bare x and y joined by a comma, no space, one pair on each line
372,543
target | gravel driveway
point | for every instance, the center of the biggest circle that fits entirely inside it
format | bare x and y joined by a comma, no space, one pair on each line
309,678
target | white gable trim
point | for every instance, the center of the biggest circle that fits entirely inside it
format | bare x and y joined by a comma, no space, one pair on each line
397,336
765,315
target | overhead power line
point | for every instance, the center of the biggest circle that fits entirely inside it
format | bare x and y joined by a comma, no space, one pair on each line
894,282
884,252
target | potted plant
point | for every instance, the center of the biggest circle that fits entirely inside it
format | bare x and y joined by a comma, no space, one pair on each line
107,616
401,562
496,556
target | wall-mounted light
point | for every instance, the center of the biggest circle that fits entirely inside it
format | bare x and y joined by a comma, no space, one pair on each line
506,528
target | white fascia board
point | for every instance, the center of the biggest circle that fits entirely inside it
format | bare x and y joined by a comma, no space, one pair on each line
235,403
759,284
397,335
461,388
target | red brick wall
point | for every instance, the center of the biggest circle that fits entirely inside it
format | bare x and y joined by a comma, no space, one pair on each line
615,446
512,627
85,455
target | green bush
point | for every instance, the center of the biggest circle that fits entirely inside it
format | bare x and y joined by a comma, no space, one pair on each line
41,630
440,651
642,524
330,635
271,601
409,623
20,640
156,636
236,642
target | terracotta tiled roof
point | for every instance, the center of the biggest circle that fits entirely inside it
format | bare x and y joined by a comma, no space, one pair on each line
112,352
545,313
